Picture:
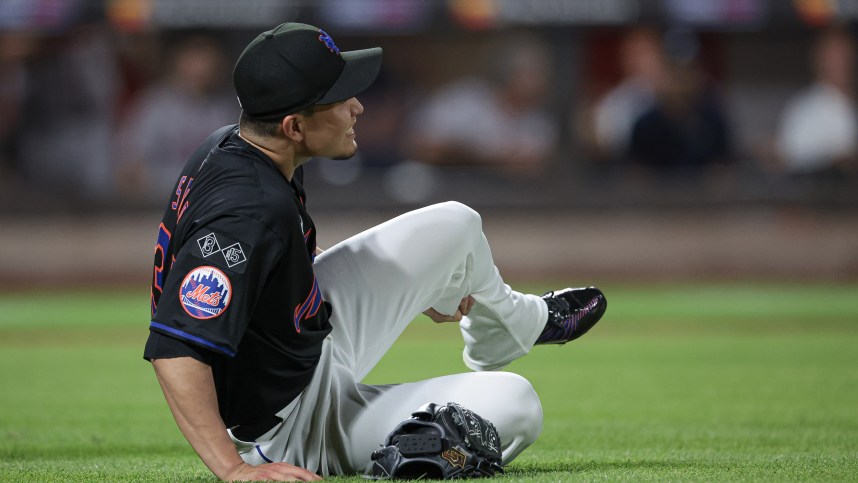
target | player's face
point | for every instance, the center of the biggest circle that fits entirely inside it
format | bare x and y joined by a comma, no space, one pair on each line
329,132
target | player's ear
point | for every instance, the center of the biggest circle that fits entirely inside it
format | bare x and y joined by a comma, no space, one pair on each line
292,127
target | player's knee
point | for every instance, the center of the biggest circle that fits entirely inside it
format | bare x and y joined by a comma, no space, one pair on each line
462,218
462,213
523,399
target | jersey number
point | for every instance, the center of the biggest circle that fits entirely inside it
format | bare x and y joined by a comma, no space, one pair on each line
160,261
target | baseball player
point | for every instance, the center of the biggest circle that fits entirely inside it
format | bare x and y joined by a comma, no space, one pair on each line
260,340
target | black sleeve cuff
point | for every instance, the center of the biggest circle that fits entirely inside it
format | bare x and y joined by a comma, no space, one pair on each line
160,346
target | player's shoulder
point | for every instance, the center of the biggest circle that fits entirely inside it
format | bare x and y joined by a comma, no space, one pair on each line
216,138
226,175
247,182
220,171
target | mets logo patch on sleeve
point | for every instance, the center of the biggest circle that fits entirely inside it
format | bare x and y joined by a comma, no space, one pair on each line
222,251
205,293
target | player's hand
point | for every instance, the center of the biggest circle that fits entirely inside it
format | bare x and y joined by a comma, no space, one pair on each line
271,472
464,309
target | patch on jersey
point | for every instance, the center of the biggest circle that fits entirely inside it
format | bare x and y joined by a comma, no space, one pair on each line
205,293
233,255
222,251
208,245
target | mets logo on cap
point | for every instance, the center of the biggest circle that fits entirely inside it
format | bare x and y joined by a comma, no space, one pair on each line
328,41
205,292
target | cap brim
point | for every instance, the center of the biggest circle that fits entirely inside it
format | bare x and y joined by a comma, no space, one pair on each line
360,71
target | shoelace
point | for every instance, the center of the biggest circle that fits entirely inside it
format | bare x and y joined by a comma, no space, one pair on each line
559,310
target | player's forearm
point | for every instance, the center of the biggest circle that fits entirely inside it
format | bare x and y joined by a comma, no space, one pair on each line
189,389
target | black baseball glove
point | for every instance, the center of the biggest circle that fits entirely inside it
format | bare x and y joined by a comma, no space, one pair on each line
440,442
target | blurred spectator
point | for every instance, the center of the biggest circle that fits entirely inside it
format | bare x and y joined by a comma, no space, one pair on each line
16,48
139,56
685,132
173,117
383,122
644,69
819,127
66,118
498,121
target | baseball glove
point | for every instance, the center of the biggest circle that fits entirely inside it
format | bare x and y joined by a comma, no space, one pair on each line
439,442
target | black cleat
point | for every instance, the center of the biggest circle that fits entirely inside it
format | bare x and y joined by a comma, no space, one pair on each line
571,313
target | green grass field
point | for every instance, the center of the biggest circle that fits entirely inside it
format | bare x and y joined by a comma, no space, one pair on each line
696,382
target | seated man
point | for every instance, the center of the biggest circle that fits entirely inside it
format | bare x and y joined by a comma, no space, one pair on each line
260,340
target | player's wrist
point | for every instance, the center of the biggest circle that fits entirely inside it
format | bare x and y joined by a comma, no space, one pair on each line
234,471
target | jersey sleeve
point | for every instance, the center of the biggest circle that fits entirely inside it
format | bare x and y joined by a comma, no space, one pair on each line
214,282
162,347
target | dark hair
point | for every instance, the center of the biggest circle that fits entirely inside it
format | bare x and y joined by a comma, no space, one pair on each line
269,129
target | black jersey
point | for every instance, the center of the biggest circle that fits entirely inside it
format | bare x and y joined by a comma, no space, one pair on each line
233,279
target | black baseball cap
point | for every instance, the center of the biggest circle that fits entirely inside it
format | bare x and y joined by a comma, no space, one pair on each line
295,66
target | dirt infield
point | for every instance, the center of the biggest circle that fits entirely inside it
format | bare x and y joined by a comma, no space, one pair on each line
791,244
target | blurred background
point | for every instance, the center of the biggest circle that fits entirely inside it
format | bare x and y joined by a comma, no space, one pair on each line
614,139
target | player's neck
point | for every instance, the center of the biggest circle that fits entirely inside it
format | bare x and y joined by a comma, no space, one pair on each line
280,153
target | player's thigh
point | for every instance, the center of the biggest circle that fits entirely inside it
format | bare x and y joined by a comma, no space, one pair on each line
507,400
412,256
380,279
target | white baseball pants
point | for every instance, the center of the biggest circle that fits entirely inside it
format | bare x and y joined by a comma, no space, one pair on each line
377,282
